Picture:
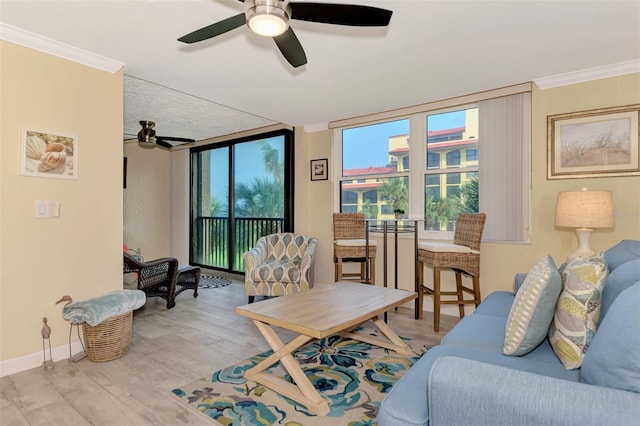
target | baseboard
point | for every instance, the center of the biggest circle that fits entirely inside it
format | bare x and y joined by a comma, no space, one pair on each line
34,360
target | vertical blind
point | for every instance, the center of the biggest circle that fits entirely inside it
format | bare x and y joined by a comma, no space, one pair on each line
504,170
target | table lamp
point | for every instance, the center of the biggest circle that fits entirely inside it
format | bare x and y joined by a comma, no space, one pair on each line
584,210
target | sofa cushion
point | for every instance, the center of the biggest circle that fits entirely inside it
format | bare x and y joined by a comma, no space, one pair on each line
486,333
613,359
497,304
533,309
622,252
481,332
406,402
619,280
578,309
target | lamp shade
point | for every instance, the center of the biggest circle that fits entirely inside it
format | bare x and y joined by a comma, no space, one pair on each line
585,209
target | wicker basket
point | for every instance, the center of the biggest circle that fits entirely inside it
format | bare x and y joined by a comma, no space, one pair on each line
110,339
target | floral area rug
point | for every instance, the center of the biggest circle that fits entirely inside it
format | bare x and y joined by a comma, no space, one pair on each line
212,281
352,376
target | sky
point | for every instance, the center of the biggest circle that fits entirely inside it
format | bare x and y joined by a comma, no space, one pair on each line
368,145
249,164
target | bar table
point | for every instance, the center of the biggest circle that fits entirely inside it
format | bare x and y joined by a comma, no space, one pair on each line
397,226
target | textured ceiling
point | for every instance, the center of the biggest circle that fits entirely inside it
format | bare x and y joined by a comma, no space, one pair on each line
431,50
179,114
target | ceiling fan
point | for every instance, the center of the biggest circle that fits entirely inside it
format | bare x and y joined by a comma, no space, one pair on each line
270,18
147,137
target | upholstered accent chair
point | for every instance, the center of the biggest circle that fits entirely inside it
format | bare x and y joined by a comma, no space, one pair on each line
279,264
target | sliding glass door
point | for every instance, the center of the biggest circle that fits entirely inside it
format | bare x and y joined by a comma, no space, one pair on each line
240,191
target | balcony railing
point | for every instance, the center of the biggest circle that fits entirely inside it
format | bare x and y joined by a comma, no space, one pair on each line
211,239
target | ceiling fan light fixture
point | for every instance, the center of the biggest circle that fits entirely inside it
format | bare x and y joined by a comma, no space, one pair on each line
267,17
147,136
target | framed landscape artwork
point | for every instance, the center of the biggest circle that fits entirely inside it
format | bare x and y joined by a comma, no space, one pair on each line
47,154
320,169
596,143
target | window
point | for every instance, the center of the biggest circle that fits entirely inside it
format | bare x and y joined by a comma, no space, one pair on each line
433,160
375,167
240,191
370,196
453,158
350,197
471,154
447,190
439,174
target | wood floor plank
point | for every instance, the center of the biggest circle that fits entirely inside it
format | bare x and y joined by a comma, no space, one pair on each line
169,348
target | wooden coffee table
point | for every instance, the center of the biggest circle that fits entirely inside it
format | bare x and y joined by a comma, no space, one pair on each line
320,312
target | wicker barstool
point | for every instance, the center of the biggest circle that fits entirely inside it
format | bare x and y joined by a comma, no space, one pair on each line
349,245
463,257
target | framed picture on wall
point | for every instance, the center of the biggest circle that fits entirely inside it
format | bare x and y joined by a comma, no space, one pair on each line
320,169
596,143
49,154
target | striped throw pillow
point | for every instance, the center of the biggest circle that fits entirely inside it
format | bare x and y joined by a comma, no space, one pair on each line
533,308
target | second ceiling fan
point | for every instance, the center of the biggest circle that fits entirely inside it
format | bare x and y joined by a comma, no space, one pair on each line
147,137
270,18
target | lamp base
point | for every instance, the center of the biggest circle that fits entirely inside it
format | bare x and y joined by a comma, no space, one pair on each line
584,250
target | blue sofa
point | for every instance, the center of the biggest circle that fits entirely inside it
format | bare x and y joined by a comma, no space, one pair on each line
467,380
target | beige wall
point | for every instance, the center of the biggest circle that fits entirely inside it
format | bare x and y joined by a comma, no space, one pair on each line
79,253
147,200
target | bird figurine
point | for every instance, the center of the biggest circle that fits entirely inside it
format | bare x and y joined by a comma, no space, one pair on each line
65,298
46,330
46,334
80,355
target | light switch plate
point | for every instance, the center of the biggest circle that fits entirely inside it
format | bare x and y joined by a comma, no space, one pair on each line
43,210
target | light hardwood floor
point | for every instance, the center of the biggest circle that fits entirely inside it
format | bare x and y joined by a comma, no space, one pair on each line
169,348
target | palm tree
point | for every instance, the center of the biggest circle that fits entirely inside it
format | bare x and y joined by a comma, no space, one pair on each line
272,163
261,197
217,207
469,195
439,211
396,191
370,210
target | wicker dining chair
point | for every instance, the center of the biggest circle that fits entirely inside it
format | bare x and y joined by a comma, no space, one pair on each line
349,245
462,256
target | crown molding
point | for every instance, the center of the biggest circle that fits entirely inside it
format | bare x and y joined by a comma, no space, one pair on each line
316,127
56,48
588,74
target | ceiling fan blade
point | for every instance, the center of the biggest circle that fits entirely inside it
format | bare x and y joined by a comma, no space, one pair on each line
179,140
291,48
341,14
215,29
163,144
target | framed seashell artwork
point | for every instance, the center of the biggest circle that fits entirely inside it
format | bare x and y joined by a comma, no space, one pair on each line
47,154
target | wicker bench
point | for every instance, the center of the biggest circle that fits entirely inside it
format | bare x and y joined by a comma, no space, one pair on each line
188,279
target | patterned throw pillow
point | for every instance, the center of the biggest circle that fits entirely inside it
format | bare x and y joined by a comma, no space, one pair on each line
532,309
578,310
